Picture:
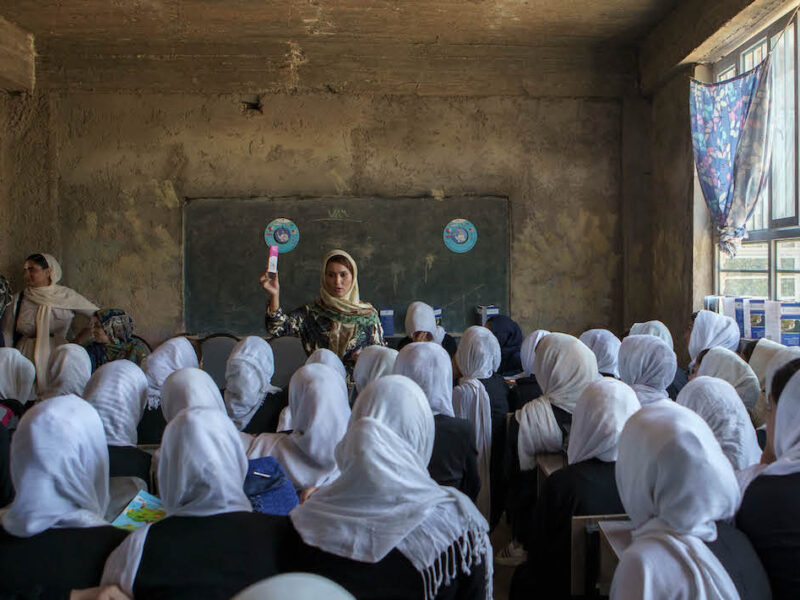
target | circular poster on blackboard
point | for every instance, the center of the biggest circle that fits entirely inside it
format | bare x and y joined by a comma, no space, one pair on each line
282,233
460,235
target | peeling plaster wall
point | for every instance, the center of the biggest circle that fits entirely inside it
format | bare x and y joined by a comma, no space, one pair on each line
125,161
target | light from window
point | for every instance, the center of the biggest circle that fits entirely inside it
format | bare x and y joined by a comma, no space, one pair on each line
754,55
788,269
783,156
728,73
748,273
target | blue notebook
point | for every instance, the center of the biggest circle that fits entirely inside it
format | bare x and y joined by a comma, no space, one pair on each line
269,489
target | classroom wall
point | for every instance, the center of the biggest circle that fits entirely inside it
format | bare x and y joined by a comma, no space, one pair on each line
121,163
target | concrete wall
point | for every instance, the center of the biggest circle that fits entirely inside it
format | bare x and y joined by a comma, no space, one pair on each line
121,164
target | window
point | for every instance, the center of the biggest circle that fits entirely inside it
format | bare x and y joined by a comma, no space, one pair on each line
768,264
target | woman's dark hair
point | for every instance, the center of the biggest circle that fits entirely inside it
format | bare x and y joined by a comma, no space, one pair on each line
39,259
746,348
700,358
694,316
782,377
342,260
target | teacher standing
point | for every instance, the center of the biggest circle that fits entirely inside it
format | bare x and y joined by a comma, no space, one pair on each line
337,320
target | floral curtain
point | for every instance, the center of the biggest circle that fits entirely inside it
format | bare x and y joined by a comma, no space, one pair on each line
731,134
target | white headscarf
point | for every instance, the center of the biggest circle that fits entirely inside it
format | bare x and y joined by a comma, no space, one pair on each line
201,473
600,414
764,351
59,468
189,388
174,354
385,498
605,346
712,329
295,586
717,402
674,482
477,357
648,365
373,362
429,366
68,372
324,356
118,392
247,379
564,367
656,328
527,353
787,430
320,411
49,297
420,317
438,337
17,374
780,358
722,363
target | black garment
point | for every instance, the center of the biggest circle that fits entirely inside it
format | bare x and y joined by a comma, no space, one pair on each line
680,380
266,418
770,516
509,336
6,487
151,427
525,390
393,578
736,553
51,563
454,461
585,488
129,461
211,557
448,343
498,392
761,437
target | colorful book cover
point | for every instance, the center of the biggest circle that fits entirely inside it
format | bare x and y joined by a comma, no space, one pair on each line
144,508
790,323
757,320
387,321
713,303
739,310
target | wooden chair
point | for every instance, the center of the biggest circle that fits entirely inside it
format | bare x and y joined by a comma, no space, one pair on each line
586,580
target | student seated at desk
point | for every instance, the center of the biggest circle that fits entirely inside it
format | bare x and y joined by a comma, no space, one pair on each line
729,366
318,401
68,371
481,397
564,367
384,528
454,460
585,487
373,363
118,392
421,326
770,510
509,336
658,329
211,544
647,364
54,538
676,486
253,403
174,354
605,346
527,388
17,375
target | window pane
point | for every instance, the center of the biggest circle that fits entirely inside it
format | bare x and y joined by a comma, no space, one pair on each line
734,283
788,286
759,218
728,73
754,55
788,254
783,161
751,257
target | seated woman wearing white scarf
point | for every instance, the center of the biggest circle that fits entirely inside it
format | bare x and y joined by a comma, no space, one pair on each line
729,366
373,363
658,329
710,329
585,487
40,316
68,371
320,356
17,375
384,528
253,403
763,352
605,346
318,401
770,513
176,353
420,326
54,536
210,545
679,491
454,461
118,392
526,388
478,399
717,402
648,365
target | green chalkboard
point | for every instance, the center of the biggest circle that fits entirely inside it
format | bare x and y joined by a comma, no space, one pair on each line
396,242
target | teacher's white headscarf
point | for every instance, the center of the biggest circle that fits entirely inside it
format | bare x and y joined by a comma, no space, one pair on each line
247,379
428,365
385,498
59,468
118,391
674,482
648,365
